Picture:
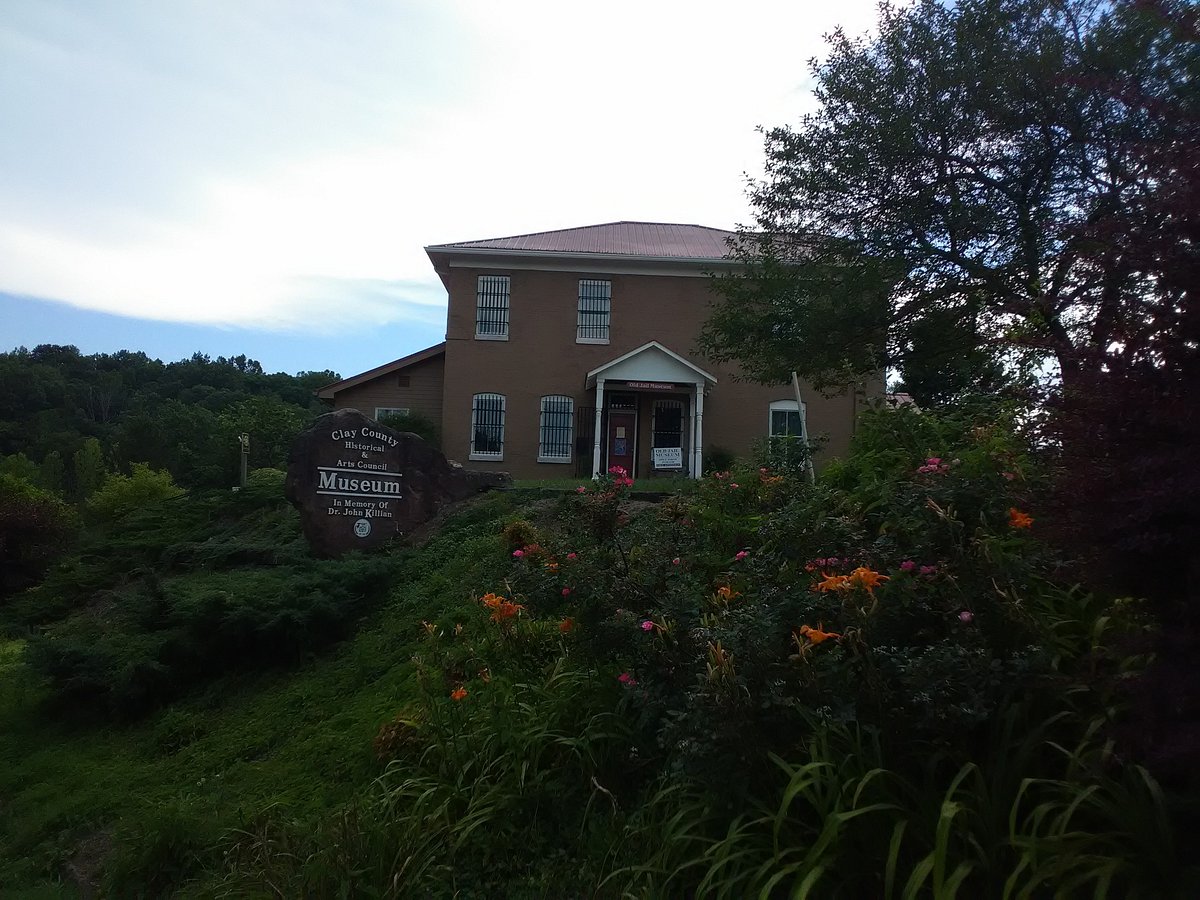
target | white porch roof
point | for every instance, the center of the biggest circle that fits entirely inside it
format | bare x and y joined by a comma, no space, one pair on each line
650,362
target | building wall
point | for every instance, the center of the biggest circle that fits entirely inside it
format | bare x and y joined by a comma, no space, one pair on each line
541,357
422,394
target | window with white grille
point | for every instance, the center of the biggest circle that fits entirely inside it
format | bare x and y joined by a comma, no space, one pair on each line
487,426
491,307
595,308
555,429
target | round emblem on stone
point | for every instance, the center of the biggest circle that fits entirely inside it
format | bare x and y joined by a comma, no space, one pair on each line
362,527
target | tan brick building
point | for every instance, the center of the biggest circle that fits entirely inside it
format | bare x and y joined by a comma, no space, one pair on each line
570,351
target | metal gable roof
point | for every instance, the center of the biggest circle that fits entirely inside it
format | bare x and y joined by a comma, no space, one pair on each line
328,391
646,239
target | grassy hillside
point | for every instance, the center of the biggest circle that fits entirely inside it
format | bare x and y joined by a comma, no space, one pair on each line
297,734
878,685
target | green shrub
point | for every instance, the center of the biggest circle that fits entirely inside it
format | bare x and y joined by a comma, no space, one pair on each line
519,533
173,595
718,459
414,423
35,527
266,479
120,495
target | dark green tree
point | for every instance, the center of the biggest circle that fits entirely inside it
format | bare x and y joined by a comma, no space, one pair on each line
90,468
936,212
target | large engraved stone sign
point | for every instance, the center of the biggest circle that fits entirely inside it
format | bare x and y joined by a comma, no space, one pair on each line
358,484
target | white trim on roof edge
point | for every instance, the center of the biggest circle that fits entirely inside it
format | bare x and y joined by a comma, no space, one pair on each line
655,345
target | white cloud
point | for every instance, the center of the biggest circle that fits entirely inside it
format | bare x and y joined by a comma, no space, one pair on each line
259,164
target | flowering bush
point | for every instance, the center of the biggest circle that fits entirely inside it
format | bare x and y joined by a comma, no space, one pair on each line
888,594
904,598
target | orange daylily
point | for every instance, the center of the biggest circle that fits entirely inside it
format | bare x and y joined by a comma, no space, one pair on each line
818,635
458,694
867,578
833,583
1018,519
726,594
502,610
566,625
507,610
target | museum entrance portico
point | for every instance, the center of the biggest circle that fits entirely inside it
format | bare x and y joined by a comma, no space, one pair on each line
648,416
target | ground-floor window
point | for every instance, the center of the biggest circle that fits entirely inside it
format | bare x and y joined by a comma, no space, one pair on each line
787,430
381,411
487,426
555,427
667,434
786,419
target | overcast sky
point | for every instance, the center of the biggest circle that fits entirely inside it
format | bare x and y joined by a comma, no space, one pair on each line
261,177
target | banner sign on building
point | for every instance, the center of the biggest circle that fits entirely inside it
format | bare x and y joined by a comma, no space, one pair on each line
653,386
668,457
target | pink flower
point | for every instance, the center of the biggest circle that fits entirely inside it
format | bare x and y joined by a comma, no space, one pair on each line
929,570
732,485
676,561
618,471
581,490
966,617
934,461
566,592
741,554
572,556
626,679
647,625
907,566
518,553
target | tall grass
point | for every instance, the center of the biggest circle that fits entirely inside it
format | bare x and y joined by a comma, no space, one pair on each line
841,824
506,777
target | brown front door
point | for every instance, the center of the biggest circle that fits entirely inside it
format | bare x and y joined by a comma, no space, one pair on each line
622,426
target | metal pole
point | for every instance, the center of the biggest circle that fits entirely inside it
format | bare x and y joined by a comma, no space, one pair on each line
244,441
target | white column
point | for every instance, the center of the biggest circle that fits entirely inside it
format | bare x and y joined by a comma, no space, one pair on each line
698,431
599,436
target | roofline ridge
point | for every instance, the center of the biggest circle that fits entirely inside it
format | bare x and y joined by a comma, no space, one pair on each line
509,237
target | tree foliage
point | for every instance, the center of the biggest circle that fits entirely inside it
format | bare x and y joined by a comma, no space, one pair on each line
34,528
939,211
122,494
106,411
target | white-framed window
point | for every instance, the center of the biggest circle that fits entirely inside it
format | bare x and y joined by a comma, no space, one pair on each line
487,426
595,310
556,429
491,308
381,411
787,419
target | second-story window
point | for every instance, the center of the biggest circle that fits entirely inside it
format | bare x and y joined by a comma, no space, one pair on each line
491,308
595,305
